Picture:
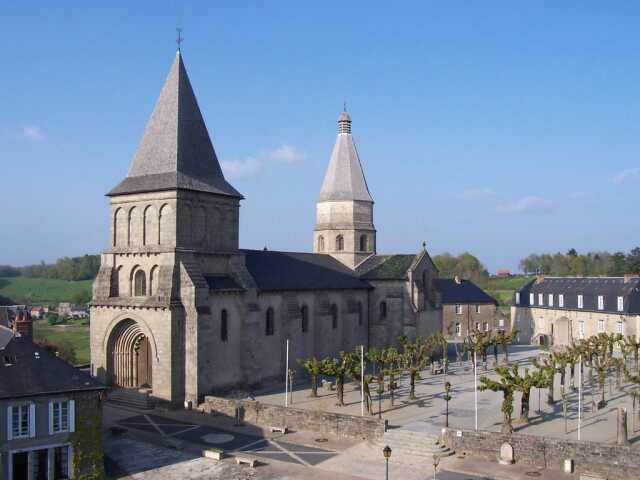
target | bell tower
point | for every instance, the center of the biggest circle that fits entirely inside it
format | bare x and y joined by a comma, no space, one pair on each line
344,210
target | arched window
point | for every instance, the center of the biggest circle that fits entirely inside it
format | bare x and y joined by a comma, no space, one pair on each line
359,313
339,243
321,243
383,310
139,283
153,280
224,332
334,316
270,322
304,319
363,243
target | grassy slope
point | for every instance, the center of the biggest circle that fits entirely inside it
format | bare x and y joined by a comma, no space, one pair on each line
76,335
502,288
41,290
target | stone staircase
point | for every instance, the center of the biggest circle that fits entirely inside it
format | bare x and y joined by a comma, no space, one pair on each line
414,443
133,398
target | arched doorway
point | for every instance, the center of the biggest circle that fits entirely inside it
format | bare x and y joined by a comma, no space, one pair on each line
561,332
129,356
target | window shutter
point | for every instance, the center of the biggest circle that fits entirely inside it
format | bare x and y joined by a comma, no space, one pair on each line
32,420
9,424
50,418
72,415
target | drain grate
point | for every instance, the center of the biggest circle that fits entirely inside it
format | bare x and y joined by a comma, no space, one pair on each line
322,440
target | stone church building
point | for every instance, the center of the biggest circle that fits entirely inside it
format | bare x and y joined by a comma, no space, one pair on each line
180,308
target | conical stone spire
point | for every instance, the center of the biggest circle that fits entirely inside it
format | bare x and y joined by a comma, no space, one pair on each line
344,179
175,151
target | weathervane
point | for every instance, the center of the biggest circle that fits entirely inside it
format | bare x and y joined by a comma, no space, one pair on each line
180,38
344,105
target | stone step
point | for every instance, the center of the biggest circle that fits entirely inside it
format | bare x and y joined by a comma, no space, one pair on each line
416,443
131,398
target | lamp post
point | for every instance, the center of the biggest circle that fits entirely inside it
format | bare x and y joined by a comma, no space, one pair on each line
436,462
387,454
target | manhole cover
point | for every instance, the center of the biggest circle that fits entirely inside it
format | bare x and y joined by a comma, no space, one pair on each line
215,438
532,474
322,440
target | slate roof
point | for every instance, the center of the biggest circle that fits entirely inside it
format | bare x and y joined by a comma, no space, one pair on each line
6,334
32,370
590,288
386,267
344,179
221,283
273,270
176,151
464,292
5,301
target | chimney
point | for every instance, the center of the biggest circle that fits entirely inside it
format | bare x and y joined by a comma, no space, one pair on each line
457,279
628,277
540,278
23,324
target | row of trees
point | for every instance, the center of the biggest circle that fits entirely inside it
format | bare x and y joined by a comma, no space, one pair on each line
464,265
66,268
388,364
591,263
595,354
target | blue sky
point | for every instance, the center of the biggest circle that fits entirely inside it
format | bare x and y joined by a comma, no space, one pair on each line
501,128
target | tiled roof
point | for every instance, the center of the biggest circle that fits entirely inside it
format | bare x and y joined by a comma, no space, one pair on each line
274,270
386,267
27,369
176,151
464,292
222,283
590,288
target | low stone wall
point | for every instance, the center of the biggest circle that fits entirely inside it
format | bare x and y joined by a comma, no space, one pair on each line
266,415
614,462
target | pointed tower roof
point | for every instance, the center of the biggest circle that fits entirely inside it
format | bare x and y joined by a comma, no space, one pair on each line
175,151
344,179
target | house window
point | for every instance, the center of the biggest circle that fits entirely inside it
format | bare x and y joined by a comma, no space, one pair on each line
486,326
581,329
334,316
600,302
620,304
363,243
61,462
383,310
478,326
540,299
224,327
61,416
600,326
458,330
304,319
551,299
20,418
321,243
140,283
269,324
339,243
501,322
517,298
458,309
477,308
580,302
620,328
561,300
531,302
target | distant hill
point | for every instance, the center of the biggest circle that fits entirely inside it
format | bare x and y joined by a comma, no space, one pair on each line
45,290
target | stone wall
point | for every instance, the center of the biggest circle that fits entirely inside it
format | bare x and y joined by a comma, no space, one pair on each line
327,423
614,462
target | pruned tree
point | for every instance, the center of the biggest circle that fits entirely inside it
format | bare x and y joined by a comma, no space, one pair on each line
632,347
392,362
414,359
339,368
507,386
313,366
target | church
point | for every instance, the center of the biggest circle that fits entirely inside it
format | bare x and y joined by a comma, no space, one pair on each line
180,309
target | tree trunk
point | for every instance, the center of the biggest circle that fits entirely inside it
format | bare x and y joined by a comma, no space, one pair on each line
367,397
623,437
391,388
412,382
495,352
507,427
340,390
314,385
524,406
564,412
572,372
506,353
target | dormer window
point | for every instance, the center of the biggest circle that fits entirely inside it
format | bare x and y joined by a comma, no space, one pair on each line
551,299
580,301
517,298
540,299
561,300
600,302
531,301
620,304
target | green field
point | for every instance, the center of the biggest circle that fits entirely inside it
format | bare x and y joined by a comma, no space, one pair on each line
42,290
75,335
502,288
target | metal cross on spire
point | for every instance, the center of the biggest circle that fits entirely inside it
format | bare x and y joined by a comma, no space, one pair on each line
180,38
344,106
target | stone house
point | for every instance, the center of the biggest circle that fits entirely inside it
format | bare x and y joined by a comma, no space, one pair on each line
465,308
559,310
49,412
180,309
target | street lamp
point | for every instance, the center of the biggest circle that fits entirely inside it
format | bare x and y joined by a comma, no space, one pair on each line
387,454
